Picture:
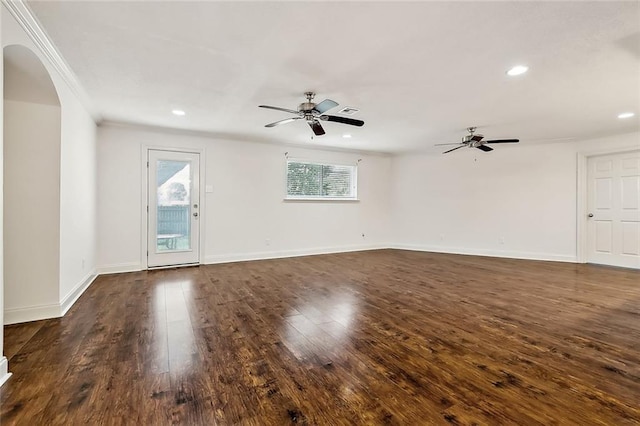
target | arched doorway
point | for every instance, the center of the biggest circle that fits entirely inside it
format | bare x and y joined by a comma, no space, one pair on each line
31,246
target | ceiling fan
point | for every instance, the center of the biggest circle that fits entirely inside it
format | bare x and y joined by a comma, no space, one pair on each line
313,113
476,141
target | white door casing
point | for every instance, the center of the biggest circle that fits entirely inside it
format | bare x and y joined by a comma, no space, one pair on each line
613,209
173,214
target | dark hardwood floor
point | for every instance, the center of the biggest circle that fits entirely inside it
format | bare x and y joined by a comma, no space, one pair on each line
379,337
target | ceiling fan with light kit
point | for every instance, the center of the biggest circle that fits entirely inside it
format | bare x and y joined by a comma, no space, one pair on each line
313,113
473,140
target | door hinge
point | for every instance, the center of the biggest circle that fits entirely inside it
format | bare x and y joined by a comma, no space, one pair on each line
147,209
147,164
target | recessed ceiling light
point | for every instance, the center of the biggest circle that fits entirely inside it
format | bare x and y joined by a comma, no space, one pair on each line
626,115
517,70
346,136
178,112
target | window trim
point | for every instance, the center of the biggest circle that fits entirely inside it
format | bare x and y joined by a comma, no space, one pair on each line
306,198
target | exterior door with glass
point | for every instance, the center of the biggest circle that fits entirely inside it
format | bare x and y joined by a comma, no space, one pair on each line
173,235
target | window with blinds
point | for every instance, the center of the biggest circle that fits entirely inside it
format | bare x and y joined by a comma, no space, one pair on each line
307,180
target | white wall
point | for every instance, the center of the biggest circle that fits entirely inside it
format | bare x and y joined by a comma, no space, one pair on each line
469,201
246,206
31,205
518,201
78,200
77,185
4,367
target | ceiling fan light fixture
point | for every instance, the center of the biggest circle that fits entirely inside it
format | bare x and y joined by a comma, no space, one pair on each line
626,115
346,136
517,70
178,112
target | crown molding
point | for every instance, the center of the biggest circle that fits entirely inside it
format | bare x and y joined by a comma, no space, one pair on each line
237,137
29,23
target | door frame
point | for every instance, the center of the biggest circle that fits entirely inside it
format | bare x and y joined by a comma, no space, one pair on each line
144,201
583,196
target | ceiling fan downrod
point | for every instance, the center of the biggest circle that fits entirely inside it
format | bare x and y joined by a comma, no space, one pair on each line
306,107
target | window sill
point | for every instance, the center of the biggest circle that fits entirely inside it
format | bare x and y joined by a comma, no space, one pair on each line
333,200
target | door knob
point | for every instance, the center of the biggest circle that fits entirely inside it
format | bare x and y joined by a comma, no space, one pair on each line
195,214
590,215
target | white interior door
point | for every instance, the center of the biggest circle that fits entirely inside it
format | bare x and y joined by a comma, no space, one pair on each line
613,202
173,235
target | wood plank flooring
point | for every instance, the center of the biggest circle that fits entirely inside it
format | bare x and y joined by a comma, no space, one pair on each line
379,337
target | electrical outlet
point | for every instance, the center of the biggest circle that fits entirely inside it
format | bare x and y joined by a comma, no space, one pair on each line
501,240
267,242
441,237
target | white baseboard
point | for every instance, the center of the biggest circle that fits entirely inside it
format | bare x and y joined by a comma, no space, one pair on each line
118,268
31,313
54,310
264,255
244,257
76,292
4,370
490,253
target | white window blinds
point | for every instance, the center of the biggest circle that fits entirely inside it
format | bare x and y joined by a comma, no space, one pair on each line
307,180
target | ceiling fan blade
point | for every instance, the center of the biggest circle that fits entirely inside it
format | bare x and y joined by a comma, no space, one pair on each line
325,105
317,128
279,109
503,141
286,120
458,147
343,120
476,138
484,148
443,144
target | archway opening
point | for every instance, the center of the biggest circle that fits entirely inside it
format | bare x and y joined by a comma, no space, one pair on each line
31,180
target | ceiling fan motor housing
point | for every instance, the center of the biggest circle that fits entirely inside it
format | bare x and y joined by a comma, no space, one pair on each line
306,106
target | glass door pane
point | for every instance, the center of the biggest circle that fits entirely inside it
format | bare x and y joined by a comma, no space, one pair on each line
173,220
173,205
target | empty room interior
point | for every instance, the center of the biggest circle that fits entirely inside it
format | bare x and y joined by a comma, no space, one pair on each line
319,212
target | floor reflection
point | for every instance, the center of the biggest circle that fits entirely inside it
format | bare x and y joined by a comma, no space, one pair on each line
174,341
325,323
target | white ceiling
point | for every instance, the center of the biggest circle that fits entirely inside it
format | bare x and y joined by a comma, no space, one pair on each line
420,72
